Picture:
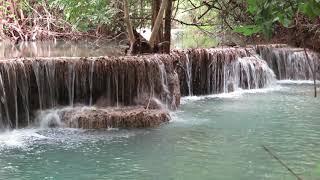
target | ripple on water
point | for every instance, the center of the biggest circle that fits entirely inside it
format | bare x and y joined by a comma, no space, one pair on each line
208,138
24,139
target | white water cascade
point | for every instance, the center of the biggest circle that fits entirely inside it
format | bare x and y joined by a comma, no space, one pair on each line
290,63
28,85
247,73
223,70
189,73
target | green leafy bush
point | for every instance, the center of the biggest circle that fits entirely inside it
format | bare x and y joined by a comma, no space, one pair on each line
85,14
266,13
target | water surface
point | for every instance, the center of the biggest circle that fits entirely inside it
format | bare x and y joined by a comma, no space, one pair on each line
210,137
59,49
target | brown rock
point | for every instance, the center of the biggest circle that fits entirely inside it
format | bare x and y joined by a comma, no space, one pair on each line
124,117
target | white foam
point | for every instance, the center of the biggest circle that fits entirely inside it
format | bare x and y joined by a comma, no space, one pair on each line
296,82
52,117
18,138
177,118
26,139
236,94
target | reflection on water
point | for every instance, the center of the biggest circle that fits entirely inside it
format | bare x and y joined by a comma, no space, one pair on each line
58,49
181,38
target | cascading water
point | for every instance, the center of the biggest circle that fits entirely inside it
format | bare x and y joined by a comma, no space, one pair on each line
247,73
5,116
50,73
290,63
23,86
38,75
164,81
222,70
136,80
104,82
50,118
71,81
12,82
189,73
91,80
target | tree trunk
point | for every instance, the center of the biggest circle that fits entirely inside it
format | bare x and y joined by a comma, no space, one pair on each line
139,45
158,23
167,28
128,23
156,4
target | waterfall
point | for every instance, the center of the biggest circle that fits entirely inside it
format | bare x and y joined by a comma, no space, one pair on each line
189,73
247,73
222,70
12,83
164,82
91,80
50,74
38,75
71,82
5,120
23,86
29,85
290,63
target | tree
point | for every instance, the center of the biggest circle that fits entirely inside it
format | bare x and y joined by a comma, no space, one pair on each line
138,44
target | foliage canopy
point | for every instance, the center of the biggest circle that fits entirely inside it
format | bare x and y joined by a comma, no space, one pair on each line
267,13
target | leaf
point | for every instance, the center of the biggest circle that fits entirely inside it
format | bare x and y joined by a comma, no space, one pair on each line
286,22
248,30
315,8
310,8
252,6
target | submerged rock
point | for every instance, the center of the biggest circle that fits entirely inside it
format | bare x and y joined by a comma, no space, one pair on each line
124,117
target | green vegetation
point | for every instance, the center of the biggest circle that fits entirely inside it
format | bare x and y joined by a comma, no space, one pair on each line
268,13
205,19
84,14
192,37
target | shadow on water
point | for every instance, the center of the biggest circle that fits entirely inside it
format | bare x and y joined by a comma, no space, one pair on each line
58,49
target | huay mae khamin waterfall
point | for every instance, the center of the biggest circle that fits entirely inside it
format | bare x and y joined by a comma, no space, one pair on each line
136,91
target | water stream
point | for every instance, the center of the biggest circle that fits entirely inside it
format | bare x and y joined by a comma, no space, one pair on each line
233,106
210,137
